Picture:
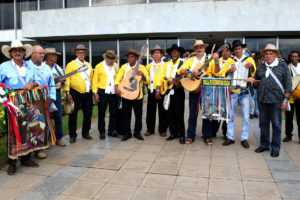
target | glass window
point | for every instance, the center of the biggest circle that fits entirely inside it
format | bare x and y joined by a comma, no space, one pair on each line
104,2
131,44
2,57
70,45
58,45
76,3
23,5
286,45
6,14
100,47
132,1
255,43
230,40
51,4
159,1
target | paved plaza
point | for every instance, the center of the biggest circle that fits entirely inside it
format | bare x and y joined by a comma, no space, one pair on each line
156,169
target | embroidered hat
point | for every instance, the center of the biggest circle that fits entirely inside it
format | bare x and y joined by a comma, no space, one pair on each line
237,43
175,47
270,47
16,44
131,51
157,47
110,55
80,47
51,50
199,43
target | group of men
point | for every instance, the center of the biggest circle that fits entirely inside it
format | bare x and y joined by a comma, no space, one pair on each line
102,84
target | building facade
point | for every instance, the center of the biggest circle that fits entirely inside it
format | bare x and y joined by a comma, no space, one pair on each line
124,24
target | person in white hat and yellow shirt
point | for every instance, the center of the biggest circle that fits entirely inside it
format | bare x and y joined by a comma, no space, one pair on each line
273,89
18,74
104,92
50,60
79,89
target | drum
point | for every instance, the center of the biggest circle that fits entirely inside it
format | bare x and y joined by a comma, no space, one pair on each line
240,73
296,87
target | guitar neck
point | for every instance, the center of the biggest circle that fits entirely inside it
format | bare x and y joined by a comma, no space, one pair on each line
56,80
142,53
208,61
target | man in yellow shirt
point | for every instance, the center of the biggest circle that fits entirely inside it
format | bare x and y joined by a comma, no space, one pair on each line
240,95
104,92
175,111
78,88
137,104
217,68
154,70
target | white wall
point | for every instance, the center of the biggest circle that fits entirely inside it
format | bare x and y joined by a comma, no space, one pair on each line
189,17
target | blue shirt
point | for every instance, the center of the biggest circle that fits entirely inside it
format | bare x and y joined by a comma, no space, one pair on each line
45,75
9,76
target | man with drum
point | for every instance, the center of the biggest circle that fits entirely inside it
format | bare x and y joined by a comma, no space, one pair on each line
240,95
274,89
294,68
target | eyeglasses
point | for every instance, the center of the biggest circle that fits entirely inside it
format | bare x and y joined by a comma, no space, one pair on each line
18,50
40,53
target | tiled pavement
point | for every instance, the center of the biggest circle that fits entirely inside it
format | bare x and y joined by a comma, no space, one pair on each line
156,169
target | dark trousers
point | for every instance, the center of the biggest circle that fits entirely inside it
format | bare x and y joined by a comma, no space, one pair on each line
104,101
151,114
192,123
216,125
58,116
289,118
85,101
270,113
207,128
127,106
176,113
119,117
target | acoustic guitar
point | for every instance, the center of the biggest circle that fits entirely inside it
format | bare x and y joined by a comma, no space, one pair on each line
193,84
129,86
167,84
57,79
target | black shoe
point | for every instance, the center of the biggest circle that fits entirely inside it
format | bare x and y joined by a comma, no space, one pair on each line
102,136
245,144
72,140
29,163
171,137
12,168
251,116
228,142
88,137
261,149
274,153
182,140
138,136
113,134
255,115
287,139
126,137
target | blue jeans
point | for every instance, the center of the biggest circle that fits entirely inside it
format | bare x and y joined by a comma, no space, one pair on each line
270,113
58,116
192,123
243,98
255,104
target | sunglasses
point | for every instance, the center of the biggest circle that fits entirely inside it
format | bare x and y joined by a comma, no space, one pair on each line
18,50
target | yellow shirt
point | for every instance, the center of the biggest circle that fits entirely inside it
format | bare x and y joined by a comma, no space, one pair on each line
189,63
163,73
221,62
100,77
291,101
75,81
250,60
121,74
158,67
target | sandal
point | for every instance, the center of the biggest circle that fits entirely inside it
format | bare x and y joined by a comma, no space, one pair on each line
188,141
208,142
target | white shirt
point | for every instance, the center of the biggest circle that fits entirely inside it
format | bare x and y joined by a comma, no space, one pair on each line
21,70
295,70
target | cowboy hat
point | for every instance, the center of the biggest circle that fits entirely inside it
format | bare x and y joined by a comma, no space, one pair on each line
175,47
157,47
110,55
68,107
270,47
199,43
51,50
80,47
131,51
16,44
237,43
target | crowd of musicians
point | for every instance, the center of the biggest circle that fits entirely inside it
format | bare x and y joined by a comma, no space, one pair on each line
271,78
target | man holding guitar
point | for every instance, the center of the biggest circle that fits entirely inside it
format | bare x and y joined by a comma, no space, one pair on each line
123,75
176,94
192,65
51,59
154,70
78,88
